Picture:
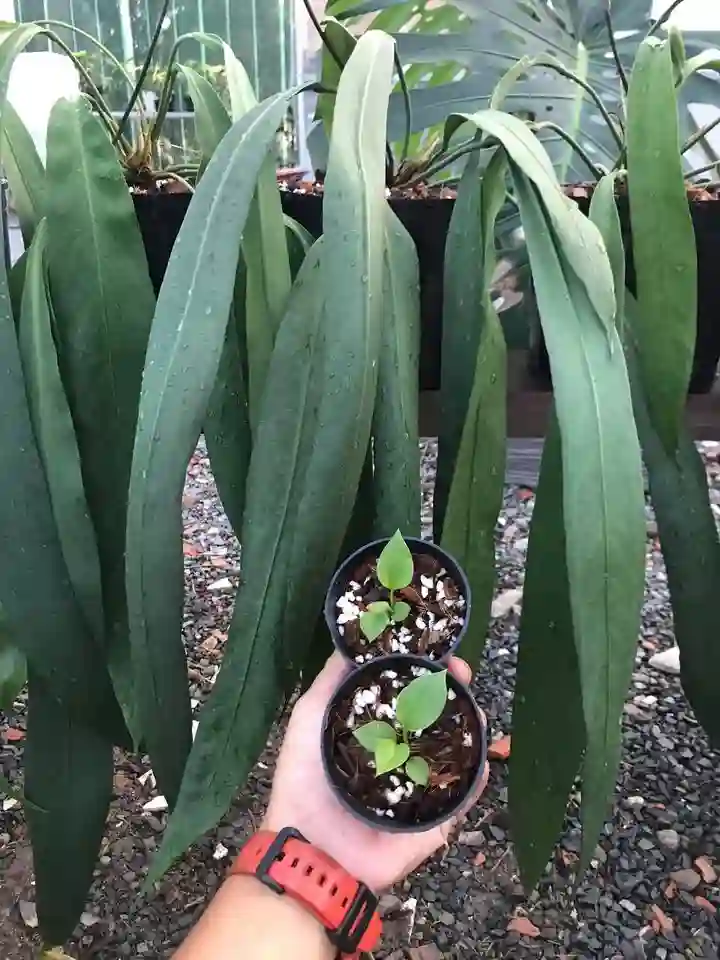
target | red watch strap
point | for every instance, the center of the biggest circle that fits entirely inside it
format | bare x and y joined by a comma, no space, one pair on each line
287,863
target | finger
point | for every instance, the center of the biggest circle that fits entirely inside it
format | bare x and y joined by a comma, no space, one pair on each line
460,670
329,677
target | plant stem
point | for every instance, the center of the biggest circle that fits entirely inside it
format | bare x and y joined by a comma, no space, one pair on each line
615,53
699,134
705,169
145,67
664,18
570,140
445,160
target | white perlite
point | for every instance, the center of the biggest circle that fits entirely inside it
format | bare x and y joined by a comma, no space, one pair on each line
667,662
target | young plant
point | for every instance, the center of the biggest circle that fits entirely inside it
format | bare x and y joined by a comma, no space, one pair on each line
395,572
419,705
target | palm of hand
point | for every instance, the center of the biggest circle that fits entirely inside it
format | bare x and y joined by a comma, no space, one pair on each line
302,798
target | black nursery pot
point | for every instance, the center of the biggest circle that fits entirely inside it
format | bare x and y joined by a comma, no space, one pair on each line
457,794
427,221
706,222
418,548
159,216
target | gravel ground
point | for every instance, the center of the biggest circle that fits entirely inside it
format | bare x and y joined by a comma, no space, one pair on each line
468,901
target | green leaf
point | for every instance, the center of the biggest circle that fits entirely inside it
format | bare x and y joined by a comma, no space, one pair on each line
103,309
400,611
53,636
604,214
12,668
55,436
374,622
395,563
389,755
24,171
601,465
471,461
547,685
180,369
663,241
68,784
212,121
422,701
418,769
342,43
299,242
396,444
371,733
316,413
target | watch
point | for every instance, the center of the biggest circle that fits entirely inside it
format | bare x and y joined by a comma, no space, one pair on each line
288,864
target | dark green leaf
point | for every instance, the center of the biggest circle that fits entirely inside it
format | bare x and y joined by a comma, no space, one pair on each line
604,214
316,413
395,563
12,668
418,770
342,43
547,685
68,778
663,241
396,446
422,701
181,367
471,458
212,121
103,302
55,436
369,734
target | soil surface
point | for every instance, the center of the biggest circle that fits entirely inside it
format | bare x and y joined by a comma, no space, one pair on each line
418,191
644,895
432,628
452,747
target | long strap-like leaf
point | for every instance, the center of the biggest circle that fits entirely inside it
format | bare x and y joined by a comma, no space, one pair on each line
663,241
103,302
308,455
24,171
396,446
68,783
547,682
55,435
183,356
473,430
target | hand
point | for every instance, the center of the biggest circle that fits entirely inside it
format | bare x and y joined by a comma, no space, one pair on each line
302,798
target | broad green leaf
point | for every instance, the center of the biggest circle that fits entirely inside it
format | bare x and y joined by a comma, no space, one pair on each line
181,366
400,611
370,733
374,622
547,684
396,444
342,42
12,668
103,310
53,634
24,171
390,755
418,769
422,701
604,214
55,436
605,546
663,241
471,462
68,784
316,413
395,563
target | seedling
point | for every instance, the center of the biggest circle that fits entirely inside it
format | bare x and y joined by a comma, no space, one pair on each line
395,572
419,705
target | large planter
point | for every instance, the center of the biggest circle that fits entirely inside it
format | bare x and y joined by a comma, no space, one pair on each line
705,215
159,216
426,219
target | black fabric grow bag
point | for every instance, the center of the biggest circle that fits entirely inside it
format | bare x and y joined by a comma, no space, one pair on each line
159,216
706,221
427,222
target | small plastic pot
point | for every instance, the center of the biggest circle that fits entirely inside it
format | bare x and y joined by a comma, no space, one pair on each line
459,798
417,547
